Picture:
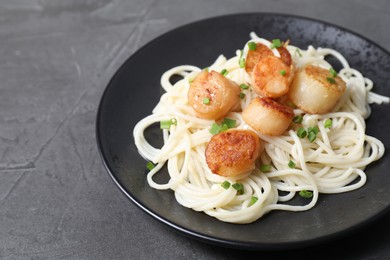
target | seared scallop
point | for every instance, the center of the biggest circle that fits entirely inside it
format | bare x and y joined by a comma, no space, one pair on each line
268,116
233,152
315,90
271,77
212,95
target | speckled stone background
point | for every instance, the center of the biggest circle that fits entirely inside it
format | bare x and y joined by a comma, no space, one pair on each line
56,199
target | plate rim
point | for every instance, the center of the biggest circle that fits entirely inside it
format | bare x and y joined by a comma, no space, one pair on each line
230,243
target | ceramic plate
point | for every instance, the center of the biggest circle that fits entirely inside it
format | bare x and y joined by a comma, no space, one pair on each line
135,89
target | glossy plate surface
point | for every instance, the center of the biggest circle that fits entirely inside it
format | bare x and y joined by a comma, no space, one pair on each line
135,89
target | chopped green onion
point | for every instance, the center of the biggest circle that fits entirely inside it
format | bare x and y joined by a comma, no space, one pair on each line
224,72
252,46
244,86
166,124
291,164
265,167
242,95
276,43
306,194
313,129
150,166
206,100
328,123
332,72
331,80
215,129
311,136
206,69
298,119
226,124
253,201
298,52
301,132
282,72
225,185
241,62
238,187
229,122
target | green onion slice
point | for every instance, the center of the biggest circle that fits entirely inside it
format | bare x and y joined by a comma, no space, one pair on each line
276,43
265,167
252,46
244,86
226,124
301,132
328,123
238,187
241,62
332,72
206,100
298,52
225,185
298,119
166,124
224,72
306,194
291,164
282,72
150,166
331,80
253,200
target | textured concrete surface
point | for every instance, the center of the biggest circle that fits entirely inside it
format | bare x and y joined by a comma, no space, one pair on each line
56,199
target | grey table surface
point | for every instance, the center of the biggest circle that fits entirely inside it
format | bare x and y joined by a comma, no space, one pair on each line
56,199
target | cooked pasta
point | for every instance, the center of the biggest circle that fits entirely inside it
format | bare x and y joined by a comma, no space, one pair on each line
291,163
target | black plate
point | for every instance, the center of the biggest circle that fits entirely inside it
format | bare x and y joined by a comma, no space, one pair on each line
135,89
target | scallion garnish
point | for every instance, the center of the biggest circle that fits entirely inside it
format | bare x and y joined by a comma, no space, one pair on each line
298,52
312,136
224,72
276,43
265,167
253,201
301,132
244,86
150,166
328,123
298,119
206,100
239,188
166,124
282,72
331,80
225,185
291,164
312,133
241,62
242,95
313,129
226,124
229,122
306,194
332,72
252,46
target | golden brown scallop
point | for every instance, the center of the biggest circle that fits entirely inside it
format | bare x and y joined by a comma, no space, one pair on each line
262,51
212,95
255,55
233,152
315,90
271,77
268,116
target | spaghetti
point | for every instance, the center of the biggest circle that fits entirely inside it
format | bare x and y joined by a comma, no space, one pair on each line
332,163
